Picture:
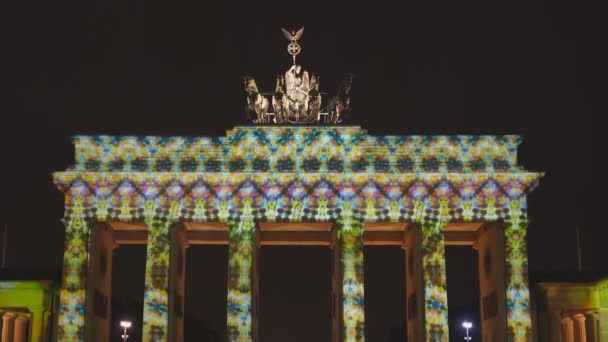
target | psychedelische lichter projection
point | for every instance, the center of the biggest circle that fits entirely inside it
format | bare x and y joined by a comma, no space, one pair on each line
239,280
296,174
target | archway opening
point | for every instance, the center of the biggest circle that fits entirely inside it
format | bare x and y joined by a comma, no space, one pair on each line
295,293
385,291
463,291
128,284
206,293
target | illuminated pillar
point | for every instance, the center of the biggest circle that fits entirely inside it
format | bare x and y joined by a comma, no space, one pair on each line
99,284
351,250
255,295
156,298
8,327
73,294
580,334
519,323
435,285
491,256
567,330
336,277
240,283
21,329
177,283
414,284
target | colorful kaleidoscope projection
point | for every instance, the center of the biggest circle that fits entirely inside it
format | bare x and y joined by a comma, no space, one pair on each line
257,174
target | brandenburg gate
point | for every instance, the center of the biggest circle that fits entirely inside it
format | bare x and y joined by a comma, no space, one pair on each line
296,176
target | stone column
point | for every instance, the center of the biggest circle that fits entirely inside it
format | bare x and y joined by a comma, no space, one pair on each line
519,322
414,284
73,294
567,330
491,256
8,327
435,307
580,334
590,326
255,294
99,284
336,273
351,258
156,296
177,283
240,282
21,329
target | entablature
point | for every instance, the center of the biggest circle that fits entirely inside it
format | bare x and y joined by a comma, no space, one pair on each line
296,197
298,149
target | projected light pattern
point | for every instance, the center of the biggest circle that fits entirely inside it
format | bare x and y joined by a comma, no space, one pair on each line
156,298
353,311
293,174
73,286
240,282
434,273
288,149
519,324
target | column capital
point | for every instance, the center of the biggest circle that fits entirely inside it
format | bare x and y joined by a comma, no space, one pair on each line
578,317
9,315
21,319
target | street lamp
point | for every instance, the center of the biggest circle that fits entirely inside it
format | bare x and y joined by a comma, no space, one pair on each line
467,325
126,325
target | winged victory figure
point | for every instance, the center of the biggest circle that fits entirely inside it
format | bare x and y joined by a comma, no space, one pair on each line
293,37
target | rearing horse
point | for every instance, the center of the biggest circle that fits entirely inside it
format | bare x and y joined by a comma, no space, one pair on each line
256,103
279,100
339,105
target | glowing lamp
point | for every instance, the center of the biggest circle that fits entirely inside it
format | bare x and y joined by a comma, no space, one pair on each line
126,325
467,325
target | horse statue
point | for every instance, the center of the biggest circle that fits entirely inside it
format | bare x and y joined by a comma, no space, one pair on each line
338,106
279,101
257,105
314,99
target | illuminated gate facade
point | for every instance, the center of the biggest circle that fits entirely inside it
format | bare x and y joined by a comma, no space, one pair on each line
169,191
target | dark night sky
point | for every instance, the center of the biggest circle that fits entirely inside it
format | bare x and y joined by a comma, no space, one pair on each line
423,67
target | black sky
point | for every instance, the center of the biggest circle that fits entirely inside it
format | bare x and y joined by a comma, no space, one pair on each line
422,67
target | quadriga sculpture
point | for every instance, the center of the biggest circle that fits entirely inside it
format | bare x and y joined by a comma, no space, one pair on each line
257,105
338,107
